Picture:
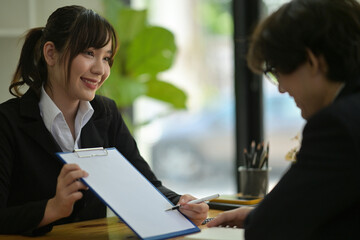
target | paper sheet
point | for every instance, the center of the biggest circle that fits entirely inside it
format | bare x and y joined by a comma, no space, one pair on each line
130,195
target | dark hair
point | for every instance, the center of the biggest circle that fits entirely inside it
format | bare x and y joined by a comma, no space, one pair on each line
72,29
329,28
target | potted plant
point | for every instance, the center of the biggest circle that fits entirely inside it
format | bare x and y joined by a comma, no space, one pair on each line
145,51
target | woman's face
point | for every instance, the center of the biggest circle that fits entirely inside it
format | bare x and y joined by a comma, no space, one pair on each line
88,72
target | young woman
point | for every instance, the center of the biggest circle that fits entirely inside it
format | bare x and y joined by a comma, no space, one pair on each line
63,64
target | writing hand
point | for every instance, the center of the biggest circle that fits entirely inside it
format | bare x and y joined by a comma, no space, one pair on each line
197,213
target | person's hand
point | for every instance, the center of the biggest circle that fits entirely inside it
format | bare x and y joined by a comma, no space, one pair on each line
67,193
197,213
235,217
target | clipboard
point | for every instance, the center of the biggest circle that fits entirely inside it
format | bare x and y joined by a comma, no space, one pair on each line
138,203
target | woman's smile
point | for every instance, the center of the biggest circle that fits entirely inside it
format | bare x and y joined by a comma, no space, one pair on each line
90,83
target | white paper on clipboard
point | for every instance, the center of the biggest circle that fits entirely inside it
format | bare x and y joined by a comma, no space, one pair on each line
129,194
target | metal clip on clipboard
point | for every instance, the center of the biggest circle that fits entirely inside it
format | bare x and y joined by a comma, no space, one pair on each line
97,151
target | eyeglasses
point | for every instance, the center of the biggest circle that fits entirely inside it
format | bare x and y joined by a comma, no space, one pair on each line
272,75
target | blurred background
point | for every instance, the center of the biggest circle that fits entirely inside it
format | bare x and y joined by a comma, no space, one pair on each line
191,148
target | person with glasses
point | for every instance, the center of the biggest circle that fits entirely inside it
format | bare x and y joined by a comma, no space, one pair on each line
310,49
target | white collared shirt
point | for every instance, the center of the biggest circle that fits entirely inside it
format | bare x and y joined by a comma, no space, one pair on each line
55,122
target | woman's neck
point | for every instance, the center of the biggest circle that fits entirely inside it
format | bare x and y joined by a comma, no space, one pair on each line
67,106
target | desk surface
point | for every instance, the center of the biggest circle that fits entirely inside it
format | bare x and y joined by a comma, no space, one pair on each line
99,229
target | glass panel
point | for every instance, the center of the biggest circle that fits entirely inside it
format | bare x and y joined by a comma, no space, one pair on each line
192,151
282,119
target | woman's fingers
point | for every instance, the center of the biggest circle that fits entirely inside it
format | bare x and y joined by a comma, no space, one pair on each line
195,212
70,173
68,186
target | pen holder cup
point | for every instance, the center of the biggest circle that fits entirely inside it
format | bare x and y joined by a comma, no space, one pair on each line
253,182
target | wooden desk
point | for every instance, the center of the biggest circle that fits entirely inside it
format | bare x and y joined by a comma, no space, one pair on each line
99,229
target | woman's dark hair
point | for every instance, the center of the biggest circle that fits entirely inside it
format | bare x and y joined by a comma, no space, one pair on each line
329,28
72,29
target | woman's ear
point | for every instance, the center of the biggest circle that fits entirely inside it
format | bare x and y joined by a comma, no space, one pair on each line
50,53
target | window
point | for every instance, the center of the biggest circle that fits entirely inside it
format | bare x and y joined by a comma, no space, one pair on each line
193,151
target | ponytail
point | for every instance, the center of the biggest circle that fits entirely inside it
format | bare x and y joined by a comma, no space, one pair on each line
31,69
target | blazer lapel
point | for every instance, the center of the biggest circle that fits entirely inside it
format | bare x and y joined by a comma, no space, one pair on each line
33,125
94,133
90,134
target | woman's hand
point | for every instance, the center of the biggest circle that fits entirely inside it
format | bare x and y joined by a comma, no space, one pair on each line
231,218
67,193
197,213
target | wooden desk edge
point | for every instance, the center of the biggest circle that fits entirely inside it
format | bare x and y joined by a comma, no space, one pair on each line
98,229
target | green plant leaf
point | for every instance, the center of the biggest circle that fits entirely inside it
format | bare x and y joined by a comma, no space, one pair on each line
151,51
123,90
112,9
127,22
166,92
130,23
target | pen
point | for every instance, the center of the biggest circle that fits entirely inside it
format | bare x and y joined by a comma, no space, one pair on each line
267,156
195,201
247,158
252,151
259,153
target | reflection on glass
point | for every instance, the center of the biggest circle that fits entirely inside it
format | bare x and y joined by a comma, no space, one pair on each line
193,151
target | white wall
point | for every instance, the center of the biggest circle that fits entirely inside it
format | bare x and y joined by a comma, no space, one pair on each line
16,17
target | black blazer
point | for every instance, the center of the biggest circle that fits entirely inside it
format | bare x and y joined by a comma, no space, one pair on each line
29,167
319,196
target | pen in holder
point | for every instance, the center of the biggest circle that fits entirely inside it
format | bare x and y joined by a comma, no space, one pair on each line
254,175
